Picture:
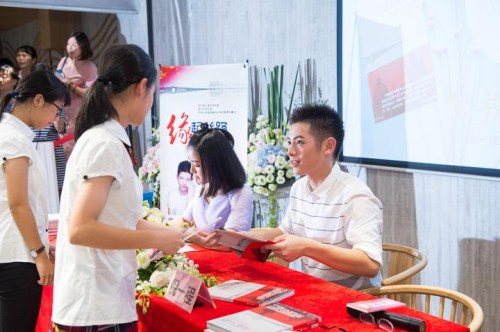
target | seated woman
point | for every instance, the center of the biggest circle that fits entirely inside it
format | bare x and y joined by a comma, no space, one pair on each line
222,200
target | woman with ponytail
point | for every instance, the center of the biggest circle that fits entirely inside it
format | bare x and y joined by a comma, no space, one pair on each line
24,262
100,222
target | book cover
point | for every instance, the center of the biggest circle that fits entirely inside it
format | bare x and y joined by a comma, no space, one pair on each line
271,318
249,293
374,305
244,245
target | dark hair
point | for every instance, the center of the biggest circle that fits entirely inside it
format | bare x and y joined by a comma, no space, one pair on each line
28,49
324,122
84,43
39,82
120,67
184,166
6,61
220,166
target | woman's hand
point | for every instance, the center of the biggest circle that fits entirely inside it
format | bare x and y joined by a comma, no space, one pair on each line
45,269
170,241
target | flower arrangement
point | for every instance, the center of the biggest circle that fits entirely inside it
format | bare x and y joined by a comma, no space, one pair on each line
267,159
154,270
268,166
149,172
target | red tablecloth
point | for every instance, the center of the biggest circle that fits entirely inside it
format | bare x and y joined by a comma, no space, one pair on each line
325,299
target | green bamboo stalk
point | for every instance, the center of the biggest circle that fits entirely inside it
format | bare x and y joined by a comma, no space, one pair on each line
291,97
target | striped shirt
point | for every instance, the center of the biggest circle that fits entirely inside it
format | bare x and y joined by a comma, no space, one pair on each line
50,134
341,212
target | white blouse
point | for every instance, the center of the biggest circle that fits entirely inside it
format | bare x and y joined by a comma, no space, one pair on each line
16,141
96,286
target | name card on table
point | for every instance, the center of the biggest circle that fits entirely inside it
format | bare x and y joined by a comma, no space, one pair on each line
185,290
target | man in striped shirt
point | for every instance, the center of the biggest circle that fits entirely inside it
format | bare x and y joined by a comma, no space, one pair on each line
333,221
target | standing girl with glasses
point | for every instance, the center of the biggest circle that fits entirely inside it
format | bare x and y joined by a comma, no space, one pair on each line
100,222
24,263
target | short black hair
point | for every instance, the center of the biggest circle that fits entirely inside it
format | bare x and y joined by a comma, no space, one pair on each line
220,165
184,166
28,49
324,122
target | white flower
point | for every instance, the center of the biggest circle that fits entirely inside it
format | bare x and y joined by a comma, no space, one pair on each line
269,169
272,187
270,178
143,259
281,162
160,279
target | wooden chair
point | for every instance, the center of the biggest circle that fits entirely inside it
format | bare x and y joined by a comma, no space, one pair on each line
402,263
452,305
272,258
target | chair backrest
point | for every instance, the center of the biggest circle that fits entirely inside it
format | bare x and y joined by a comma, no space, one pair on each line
451,305
272,258
402,264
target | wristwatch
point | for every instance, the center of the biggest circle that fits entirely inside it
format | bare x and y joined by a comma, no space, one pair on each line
35,253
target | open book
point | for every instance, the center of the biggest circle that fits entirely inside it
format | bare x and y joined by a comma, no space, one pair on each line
249,293
243,245
271,318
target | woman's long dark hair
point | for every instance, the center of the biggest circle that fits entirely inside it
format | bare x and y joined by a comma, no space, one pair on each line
84,43
38,82
120,67
219,163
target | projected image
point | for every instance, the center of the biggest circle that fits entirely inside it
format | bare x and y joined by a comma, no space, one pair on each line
420,83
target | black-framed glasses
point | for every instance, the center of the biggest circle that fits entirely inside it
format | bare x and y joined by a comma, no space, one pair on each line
383,323
59,109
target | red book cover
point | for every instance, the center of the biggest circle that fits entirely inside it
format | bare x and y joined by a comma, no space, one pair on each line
375,305
244,245
272,318
298,319
249,293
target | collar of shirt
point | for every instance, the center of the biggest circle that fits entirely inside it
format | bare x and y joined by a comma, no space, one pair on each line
327,183
13,121
115,128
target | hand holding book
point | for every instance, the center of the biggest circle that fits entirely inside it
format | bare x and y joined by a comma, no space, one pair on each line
244,245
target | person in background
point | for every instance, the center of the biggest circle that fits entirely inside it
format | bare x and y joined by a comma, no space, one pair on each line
52,134
333,221
222,200
179,197
100,223
24,262
26,58
6,61
8,81
78,73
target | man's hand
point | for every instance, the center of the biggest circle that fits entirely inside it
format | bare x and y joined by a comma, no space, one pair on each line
289,247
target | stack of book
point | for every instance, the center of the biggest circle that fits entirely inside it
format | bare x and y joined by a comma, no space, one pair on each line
249,293
271,318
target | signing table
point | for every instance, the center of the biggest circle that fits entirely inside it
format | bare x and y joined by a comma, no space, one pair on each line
317,296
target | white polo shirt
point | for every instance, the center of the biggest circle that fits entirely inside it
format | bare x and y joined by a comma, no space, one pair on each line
341,212
16,141
97,286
